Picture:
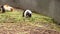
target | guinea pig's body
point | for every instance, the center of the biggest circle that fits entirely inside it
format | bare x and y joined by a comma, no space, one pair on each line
27,13
6,8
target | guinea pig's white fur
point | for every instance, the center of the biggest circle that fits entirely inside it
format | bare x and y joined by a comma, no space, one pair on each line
7,7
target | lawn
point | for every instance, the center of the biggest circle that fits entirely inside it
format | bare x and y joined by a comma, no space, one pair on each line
36,19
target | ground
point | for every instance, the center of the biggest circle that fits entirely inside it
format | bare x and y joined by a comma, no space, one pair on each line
19,28
14,23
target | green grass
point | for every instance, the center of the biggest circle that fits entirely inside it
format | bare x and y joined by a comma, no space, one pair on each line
35,20
16,16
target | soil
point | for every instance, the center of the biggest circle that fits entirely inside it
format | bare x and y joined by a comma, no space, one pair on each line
18,28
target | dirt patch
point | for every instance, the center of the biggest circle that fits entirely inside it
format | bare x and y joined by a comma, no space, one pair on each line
18,28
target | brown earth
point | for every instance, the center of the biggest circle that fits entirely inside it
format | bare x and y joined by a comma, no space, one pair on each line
19,28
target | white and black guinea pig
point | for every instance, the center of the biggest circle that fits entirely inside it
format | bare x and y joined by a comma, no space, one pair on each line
6,7
27,13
